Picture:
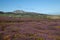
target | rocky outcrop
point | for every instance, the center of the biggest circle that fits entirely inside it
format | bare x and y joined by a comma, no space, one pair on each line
18,11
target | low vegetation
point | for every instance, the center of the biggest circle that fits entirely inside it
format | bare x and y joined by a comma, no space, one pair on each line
28,26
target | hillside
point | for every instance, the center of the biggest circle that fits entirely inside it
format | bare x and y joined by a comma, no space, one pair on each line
29,26
22,14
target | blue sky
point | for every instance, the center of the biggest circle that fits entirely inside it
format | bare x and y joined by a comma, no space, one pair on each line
40,6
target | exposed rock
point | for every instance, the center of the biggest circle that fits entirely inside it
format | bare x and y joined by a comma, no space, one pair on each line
18,11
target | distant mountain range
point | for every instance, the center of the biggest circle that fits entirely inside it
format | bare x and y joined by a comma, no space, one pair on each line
21,13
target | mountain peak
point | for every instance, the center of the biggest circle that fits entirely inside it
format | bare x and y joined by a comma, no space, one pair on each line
18,11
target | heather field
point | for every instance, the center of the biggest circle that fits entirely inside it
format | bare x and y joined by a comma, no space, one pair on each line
29,19
15,28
